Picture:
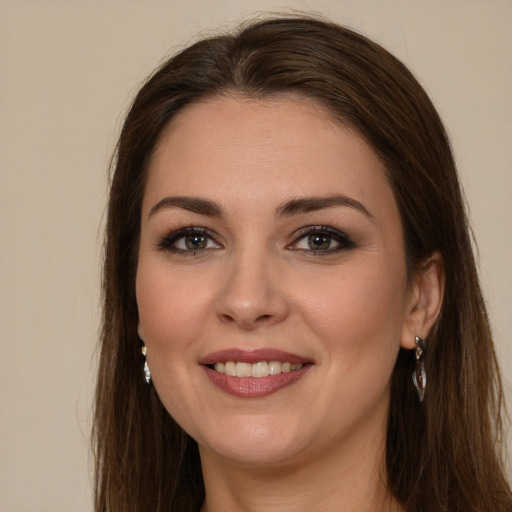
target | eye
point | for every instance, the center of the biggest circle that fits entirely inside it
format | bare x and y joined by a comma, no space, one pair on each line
321,240
193,242
188,240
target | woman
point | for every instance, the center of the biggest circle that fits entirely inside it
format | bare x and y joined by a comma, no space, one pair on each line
286,247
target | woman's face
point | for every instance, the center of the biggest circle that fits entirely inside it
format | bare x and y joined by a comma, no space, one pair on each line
271,283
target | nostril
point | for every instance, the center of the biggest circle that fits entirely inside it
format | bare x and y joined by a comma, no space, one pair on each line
227,318
250,309
247,322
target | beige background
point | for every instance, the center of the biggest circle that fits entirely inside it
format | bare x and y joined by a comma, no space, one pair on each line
68,70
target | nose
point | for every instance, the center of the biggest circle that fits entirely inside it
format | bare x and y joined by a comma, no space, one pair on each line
252,292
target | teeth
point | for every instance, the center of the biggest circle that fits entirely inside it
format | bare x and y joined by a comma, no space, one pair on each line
229,368
274,367
259,369
243,369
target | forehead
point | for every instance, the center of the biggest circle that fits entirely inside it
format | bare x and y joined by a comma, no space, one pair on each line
248,149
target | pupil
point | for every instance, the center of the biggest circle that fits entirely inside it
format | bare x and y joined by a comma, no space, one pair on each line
194,242
319,241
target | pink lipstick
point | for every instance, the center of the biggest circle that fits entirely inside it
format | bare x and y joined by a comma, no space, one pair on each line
253,374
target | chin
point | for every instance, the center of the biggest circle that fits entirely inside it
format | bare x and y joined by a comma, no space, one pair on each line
255,443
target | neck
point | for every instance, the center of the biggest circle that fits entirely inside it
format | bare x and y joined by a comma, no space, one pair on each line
349,478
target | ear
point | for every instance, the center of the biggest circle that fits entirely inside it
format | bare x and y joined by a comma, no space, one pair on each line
424,300
140,331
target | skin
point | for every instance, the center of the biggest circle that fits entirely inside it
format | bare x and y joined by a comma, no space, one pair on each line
318,443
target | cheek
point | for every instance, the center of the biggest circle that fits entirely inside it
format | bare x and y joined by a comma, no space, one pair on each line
359,312
172,308
360,322
171,316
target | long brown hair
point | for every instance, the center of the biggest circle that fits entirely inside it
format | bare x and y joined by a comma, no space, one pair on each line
442,454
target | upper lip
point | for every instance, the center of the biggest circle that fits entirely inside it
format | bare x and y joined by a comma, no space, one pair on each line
252,356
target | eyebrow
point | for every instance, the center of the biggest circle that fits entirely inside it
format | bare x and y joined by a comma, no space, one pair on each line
289,208
192,204
313,204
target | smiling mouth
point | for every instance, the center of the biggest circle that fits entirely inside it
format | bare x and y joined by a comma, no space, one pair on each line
258,370
254,373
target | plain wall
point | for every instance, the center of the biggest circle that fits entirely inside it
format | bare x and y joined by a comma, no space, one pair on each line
68,70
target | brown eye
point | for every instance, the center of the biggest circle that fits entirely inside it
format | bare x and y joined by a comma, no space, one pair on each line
188,241
196,242
319,242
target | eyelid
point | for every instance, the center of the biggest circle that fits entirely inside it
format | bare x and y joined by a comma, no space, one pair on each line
166,242
344,241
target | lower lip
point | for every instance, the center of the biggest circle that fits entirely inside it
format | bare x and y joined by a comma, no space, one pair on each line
254,387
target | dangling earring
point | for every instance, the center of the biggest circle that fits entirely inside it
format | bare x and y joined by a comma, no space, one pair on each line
419,376
147,373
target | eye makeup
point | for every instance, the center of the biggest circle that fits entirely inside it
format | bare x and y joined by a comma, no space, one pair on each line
188,240
321,240
316,240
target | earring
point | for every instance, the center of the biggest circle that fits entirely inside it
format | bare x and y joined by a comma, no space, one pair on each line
419,376
147,373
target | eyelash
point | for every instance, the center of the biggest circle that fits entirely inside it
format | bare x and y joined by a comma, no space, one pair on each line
344,242
168,242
